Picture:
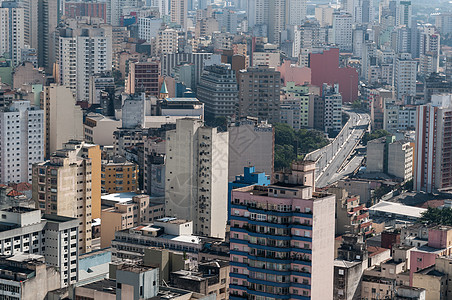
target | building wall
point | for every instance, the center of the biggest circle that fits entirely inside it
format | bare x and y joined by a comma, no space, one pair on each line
434,286
376,156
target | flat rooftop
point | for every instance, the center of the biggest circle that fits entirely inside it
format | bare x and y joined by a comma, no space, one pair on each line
106,286
397,209
119,197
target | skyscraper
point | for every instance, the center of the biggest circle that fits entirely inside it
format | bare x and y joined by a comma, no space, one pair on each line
197,176
21,141
12,38
404,13
405,76
63,186
263,100
296,12
178,12
342,31
433,155
282,239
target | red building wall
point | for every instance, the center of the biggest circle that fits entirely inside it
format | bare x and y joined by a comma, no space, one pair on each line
325,69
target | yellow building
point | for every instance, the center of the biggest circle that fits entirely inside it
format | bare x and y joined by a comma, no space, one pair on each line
119,176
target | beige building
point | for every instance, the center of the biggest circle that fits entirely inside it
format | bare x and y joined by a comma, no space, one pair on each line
98,129
197,176
119,175
69,185
124,215
63,117
433,281
271,59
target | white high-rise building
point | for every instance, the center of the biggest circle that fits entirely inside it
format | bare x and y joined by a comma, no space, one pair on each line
343,31
179,11
197,176
21,141
148,28
404,13
12,38
405,75
167,41
297,12
83,52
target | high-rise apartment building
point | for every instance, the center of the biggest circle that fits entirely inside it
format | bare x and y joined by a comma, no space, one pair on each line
12,38
251,143
69,185
21,141
332,101
282,239
143,77
115,8
179,12
259,89
197,176
342,31
433,155
405,70
270,16
167,41
404,13
218,90
63,118
83,52
26,232
297,12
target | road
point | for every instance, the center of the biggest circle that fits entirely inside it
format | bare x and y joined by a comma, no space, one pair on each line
344,161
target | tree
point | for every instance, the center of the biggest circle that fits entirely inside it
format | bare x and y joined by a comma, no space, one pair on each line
374,135
437,216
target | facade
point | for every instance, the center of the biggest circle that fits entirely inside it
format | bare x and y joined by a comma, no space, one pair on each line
143,77
196,184
250,144
74,9
263,101
342,31
218,90
23,124
167,41
433,128
26,233
12,30
64,119
148,28
405,70
292,229
332,100
69,185
119,175
178,12
398,117
129,214
83,52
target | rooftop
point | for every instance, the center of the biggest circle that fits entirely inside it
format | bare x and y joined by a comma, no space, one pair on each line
106,286
397,209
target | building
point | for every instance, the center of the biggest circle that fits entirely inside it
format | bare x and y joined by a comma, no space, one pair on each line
342,31
433,128
12,30
25,232
332,101
64,119
297,106
325,69
168,233
287,223
179,12
218,90
74,9
405,70
98,129
143,77
20,124
324,14
119,175
180,107
196,185
128,213
98,84
269,58
263,101
351,216
398,117
386,155
436,84
251,143
167,41
212,278
148,28
69,185
84,50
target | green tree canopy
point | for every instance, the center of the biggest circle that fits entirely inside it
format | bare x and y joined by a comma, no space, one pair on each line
438,216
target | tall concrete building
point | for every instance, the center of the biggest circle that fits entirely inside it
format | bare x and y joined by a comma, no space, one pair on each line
251,144
63,118
433,155
143,77
332,101
197,176
179,12
405,70
282,239
21,141
270,16
218,90
12,30
259,89
115,8
83,51
65,185
404,13
296,12
343,31
27,233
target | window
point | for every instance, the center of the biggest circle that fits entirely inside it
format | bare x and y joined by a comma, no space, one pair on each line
341,272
